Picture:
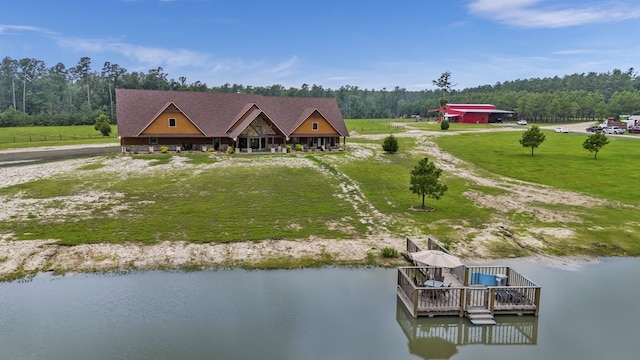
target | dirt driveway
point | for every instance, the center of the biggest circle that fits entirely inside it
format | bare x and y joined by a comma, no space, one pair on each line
54,153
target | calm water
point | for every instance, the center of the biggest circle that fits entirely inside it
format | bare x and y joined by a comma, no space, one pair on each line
334,313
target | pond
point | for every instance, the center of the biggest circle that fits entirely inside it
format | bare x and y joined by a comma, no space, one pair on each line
329,313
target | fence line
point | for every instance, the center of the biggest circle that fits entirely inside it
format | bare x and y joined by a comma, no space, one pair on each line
50,137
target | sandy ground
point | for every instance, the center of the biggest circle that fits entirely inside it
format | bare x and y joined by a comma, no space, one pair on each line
46,255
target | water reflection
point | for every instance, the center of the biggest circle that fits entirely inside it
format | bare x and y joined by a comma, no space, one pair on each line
439,338
331,313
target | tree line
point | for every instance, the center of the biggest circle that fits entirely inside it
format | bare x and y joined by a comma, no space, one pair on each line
33,93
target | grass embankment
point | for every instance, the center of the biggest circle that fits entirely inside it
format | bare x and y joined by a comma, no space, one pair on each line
34,136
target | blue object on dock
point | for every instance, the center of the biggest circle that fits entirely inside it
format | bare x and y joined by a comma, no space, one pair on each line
483,279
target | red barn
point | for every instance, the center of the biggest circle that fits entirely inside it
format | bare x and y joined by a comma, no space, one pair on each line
475,113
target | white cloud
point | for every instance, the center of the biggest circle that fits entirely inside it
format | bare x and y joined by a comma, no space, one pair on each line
284,67
143,55
4,29
557,14
572,52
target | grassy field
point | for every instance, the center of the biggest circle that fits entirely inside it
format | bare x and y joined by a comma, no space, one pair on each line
333,195
24,137
560,161
383,126
173,205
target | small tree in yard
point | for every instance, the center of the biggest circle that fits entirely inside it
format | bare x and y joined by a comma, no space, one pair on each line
100,119
105,128
532,138
595,142
424,181
102,125
390,144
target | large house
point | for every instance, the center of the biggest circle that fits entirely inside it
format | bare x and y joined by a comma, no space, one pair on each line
187,120
474,113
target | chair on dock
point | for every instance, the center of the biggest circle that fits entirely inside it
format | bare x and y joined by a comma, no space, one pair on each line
444,290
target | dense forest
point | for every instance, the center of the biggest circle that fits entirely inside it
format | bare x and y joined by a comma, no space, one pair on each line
32,93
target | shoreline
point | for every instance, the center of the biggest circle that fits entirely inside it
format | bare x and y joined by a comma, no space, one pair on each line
24,259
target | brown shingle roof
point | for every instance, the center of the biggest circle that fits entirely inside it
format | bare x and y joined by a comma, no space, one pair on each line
215,113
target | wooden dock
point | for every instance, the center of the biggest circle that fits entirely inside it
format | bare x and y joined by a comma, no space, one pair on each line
477,292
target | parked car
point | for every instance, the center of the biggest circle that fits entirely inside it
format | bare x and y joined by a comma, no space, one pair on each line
594,128
562,129
634,129
613,130
522,122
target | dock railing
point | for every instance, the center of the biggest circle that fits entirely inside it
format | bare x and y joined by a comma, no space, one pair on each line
520,297
500,289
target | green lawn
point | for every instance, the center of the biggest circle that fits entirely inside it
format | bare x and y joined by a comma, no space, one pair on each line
560,161
275,202
383,126
33,136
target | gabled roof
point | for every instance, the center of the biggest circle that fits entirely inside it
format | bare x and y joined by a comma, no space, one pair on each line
170,104
453,109
242,113
472,106
483,111
241,125
306,114
216,113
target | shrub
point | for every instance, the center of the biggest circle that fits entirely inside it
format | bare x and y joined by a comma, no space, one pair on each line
444,125
299,147
164,149
101,119
288,147
389,252
390,144
229,149
210,149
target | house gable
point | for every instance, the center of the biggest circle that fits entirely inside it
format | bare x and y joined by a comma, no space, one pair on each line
314,123
253,123
171,121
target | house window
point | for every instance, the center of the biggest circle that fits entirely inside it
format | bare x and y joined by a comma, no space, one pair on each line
153,141
314,126
172,122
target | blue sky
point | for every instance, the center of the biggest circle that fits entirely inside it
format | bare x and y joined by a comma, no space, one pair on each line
371,44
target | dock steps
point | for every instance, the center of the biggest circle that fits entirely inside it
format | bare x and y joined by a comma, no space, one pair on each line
480,316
